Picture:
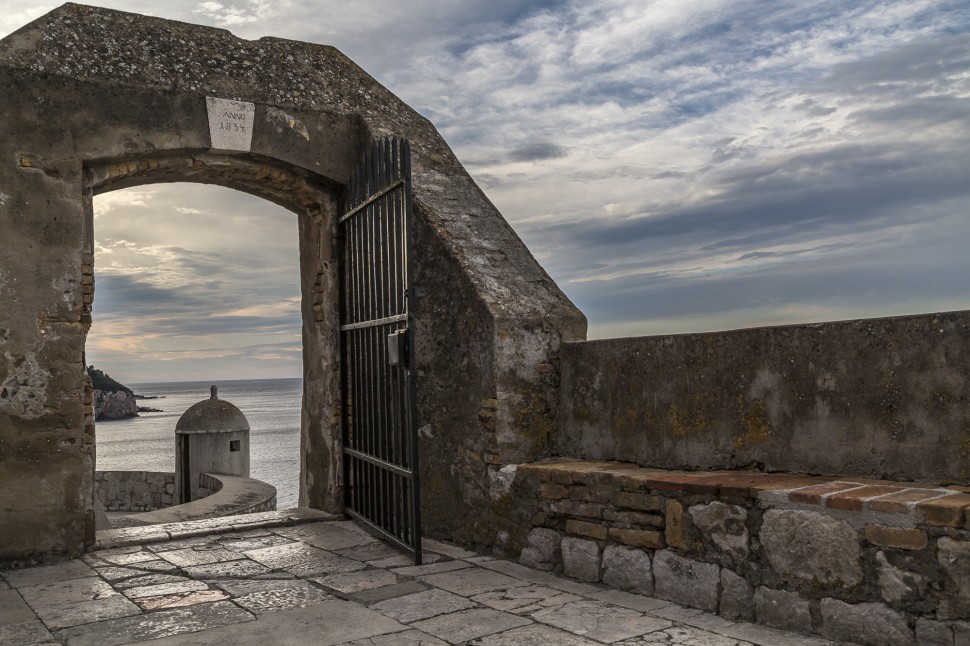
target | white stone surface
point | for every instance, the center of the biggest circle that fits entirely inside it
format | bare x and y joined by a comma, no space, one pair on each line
230,123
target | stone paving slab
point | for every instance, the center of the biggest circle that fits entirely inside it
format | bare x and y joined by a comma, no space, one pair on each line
402,560
27,632
303,560
601,621
369,552
422,605
328,537
13,608
201,555
459,627
407,638
239,569
129,557
163,623
534,635
255,542
298,594
181,599
350,582
472,581
277,585
140,568
324,624
66,592
376,595
525,600
241,523
630,601
48,574
205,540
686,636
160,589
86,612
147,580
430,568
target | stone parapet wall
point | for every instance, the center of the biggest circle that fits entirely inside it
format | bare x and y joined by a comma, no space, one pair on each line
135,490
228,496
210,484
877,397
854,559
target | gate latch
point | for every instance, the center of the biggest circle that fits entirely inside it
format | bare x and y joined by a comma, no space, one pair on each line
397,348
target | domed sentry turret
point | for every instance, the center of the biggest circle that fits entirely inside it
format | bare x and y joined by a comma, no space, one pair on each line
212,436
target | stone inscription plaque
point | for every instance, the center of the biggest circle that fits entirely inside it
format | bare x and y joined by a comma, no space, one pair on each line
230,123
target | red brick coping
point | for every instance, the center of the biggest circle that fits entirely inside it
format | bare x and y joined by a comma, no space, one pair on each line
929,504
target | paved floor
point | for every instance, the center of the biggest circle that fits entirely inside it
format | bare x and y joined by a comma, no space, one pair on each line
329,583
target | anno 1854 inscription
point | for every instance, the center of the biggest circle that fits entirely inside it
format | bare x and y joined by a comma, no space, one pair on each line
230,123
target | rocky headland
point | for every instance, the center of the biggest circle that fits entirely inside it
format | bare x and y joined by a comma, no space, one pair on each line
113,400
114,405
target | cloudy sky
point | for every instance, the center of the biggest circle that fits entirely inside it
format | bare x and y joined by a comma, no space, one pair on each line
676,165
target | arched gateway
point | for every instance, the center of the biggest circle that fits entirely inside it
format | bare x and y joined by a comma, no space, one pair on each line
92,100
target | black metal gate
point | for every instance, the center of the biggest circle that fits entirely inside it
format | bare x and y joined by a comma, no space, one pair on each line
380,442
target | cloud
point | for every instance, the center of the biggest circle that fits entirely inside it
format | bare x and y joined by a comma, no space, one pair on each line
184,273
674,164
537,151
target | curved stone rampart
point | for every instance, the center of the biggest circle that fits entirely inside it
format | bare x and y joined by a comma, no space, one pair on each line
228,496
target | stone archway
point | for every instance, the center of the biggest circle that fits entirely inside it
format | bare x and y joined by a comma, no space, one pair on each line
93,99
314,200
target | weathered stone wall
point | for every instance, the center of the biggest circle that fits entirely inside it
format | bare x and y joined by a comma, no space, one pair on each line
880,397
220,495
134,490
869,562
92,100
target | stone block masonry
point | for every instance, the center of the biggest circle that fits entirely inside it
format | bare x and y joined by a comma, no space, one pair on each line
134,490
854,559
153,491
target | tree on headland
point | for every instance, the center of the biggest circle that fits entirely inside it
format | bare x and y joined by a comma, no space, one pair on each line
103,382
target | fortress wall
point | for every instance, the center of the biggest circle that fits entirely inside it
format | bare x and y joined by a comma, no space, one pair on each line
94,100
886,398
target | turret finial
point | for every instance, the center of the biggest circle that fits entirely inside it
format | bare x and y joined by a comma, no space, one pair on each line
214,390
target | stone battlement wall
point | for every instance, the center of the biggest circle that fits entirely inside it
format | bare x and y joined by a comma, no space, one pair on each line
871,562
134,490
877,397
144,491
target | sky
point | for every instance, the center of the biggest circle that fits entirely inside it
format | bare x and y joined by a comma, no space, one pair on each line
675,165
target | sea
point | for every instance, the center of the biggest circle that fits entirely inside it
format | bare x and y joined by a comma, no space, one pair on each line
272,406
